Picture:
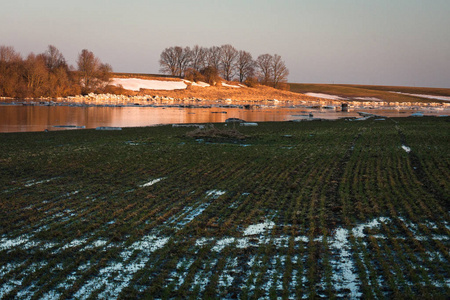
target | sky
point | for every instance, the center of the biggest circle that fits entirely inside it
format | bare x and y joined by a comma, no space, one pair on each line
382,42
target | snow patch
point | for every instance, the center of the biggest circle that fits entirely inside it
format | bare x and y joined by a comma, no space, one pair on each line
434,97
367,99
259,228
325,96
135,84
406,148
215,193
152,182
230,85
344,277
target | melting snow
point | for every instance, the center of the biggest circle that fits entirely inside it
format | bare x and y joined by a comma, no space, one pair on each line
221,244
325,96
344,276
406,148
259,228
367,98
358,230
230,85
115,284
6,243
443,98
215,193
136,84
152,182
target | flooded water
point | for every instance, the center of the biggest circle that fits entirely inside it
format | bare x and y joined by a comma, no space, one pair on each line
18,118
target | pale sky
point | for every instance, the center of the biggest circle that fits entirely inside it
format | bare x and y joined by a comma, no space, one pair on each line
388,42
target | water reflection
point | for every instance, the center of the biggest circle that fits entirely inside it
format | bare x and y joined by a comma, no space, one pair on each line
15,118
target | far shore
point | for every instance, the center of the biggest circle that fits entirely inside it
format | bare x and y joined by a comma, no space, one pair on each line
112,100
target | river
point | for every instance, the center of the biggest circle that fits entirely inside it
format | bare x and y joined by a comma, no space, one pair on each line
19,118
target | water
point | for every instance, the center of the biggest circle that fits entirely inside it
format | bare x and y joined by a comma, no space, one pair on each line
18,118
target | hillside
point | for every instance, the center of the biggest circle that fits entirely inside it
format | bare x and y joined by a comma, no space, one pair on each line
372,92
298,91
228,90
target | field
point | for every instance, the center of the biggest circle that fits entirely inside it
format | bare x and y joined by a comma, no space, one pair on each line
345,209
381,92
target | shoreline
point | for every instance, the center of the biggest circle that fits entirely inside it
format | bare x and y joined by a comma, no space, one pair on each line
112,100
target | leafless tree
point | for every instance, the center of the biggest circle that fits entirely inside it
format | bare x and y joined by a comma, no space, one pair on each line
183,60
175,60
227,61
264,63
94,74
197,58
10,71
54,59
244,65
35,74
213,56
168,61
8,54
279,71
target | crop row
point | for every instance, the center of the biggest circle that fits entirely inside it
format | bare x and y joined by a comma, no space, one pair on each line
302,210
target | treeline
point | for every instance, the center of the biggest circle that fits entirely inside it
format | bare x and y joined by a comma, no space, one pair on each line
48,74
209,64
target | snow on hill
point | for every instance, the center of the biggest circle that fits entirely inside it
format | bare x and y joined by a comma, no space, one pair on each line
135,84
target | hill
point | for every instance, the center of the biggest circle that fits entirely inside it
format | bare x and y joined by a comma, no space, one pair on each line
372,92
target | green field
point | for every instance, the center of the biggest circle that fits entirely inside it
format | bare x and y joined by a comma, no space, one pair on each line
346,209
380,92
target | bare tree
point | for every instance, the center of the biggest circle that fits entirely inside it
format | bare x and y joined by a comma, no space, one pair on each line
197,58
213,56
8,54
168,61
175,60
54,59
279,71
183,60
94,74
264,63
227,61
10,71
35,74
244,65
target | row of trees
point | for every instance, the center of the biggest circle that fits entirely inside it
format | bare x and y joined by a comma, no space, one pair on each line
48,74
227,61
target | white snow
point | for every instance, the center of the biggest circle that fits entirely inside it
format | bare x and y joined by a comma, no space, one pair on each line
325,96
230,85
221,244
434,97
6,243
126,269
367,98
215,193
34,182
358,230
135,84
406,148
344,276
259,228
199,83
152,182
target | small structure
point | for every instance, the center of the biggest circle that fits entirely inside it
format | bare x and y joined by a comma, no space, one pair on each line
344,107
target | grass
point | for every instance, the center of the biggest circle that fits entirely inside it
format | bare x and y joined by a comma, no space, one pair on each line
155,212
